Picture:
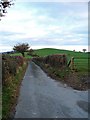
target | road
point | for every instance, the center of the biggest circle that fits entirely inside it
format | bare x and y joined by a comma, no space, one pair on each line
43,97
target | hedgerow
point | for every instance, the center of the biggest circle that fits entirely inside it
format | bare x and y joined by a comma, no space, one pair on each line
10,65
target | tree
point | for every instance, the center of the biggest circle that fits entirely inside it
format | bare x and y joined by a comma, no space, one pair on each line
84,50
21,48
3,5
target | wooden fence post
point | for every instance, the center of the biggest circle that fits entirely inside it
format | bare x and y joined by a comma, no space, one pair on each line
71,63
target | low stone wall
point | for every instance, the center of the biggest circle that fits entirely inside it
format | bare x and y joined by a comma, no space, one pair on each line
57,60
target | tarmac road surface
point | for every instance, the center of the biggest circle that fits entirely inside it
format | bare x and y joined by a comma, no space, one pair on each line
43,97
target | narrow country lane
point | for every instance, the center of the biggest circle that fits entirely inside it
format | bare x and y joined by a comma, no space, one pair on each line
43,97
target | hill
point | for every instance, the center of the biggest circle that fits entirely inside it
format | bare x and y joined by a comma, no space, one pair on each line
81,59
50,51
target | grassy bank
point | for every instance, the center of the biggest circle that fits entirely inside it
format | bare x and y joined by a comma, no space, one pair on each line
75,78
10,92
66,76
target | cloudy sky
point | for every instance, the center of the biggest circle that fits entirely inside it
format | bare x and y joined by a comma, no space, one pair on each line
62,25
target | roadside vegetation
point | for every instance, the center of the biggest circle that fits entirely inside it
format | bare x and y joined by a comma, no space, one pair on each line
12,74
78,77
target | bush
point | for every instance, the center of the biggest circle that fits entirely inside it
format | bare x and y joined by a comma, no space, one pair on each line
58,60
19,60
10,65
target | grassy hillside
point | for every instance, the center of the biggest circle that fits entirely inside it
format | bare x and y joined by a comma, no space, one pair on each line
80,58
49,51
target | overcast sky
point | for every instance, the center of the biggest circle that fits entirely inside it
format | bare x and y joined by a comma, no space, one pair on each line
45,24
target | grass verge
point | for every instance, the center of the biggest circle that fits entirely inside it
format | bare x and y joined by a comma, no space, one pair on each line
67,76
10,92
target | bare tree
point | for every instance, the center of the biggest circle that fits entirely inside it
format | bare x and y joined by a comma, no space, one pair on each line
3,5
21,48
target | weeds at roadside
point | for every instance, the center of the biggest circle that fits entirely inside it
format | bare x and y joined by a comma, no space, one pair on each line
10,92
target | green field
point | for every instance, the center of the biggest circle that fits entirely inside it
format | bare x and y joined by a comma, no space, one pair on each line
49,51
80,58
19,54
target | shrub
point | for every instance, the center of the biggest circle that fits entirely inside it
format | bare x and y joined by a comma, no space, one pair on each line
19,60
58,60
10,65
